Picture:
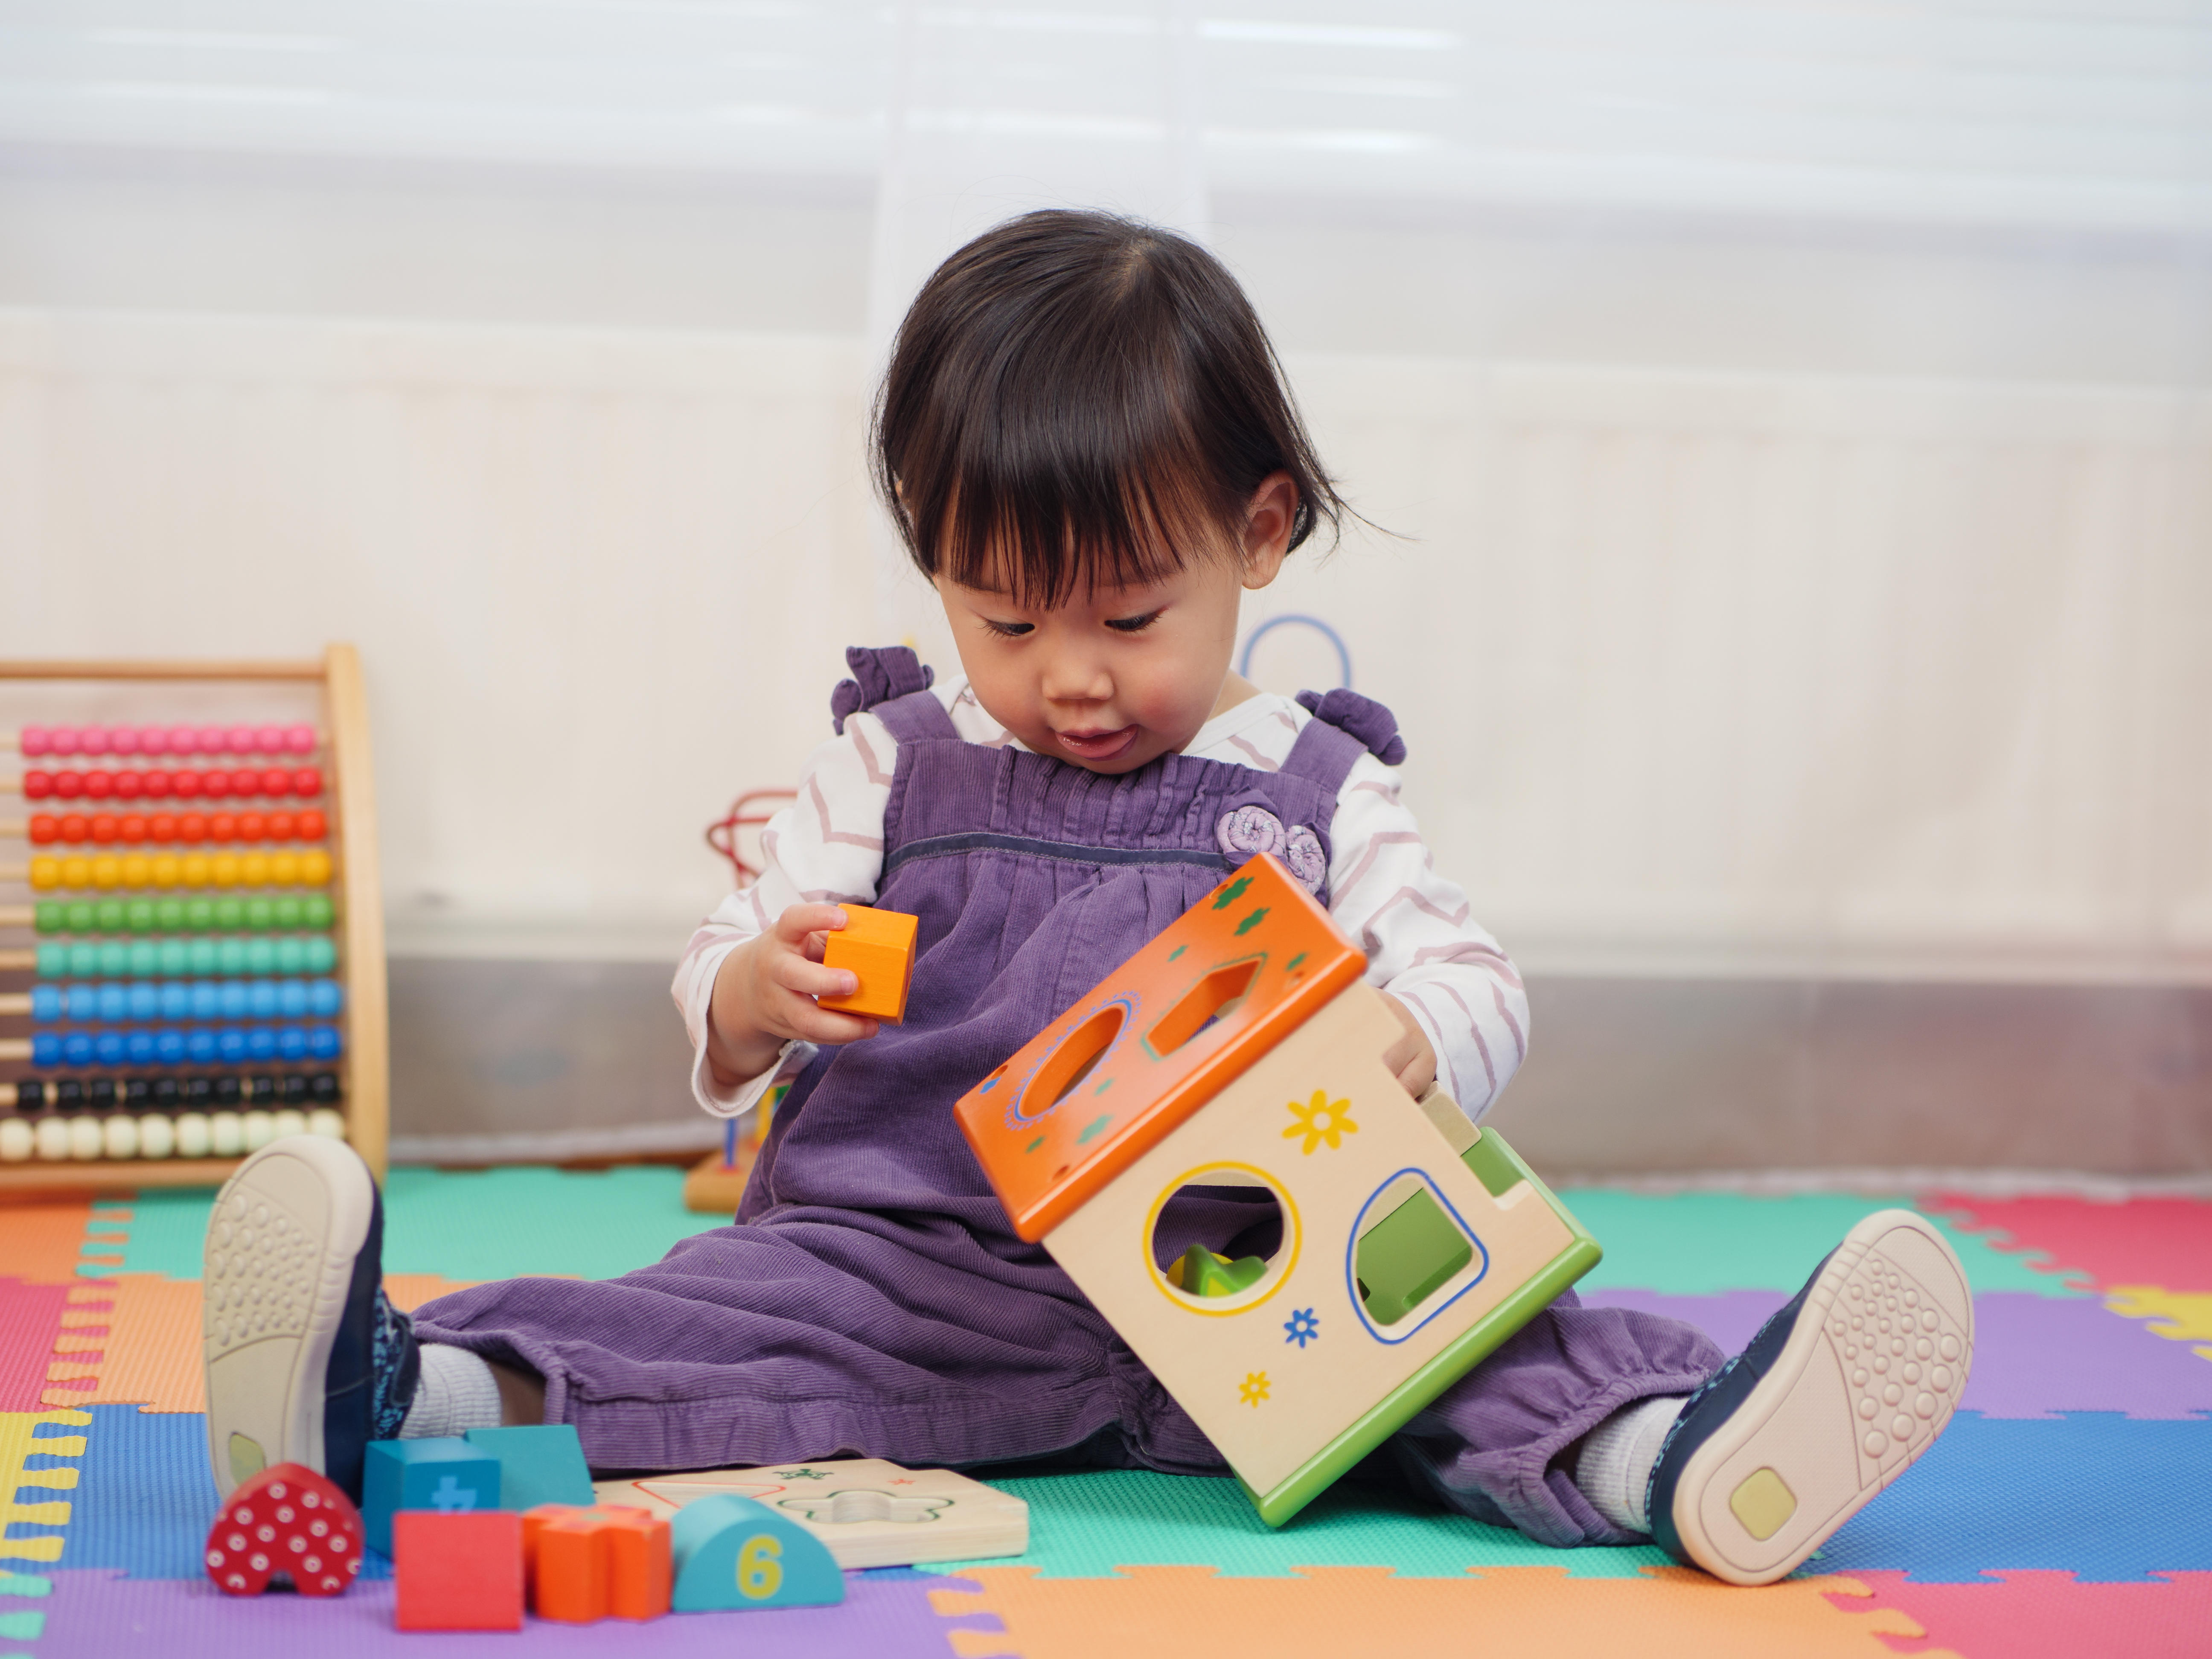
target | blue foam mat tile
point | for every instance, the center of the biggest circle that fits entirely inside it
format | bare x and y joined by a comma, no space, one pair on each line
2110,1499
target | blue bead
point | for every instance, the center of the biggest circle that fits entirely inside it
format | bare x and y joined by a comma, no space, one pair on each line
145,1000
139,1045
80,1002
288,998
46,1049
323,997
285,1042
206,999
231,998
109,1047
262,1001
176,999
45,1002
169,1047
199,1046
323,1042
114,1002
230,1043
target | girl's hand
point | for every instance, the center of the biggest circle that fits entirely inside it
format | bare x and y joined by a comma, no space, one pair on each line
1410,1056
765,991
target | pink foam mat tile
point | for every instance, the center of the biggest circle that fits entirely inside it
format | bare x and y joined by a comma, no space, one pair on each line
2044,1614
30,1327
99,1613
2166,1242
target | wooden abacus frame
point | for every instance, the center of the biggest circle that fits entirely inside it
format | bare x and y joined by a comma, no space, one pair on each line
356,901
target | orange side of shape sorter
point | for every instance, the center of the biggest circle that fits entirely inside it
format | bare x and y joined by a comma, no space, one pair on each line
877,946
582,1566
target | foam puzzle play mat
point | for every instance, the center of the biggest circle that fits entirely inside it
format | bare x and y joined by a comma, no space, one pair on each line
2068,1512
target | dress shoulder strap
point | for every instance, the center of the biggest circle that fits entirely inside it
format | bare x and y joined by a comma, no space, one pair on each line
891,683
1345,725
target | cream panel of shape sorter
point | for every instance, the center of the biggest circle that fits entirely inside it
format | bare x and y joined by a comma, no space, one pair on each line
1276,1372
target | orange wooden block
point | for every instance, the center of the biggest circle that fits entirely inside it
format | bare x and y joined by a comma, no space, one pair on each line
458,1569
610,1561
878,946
1155,1041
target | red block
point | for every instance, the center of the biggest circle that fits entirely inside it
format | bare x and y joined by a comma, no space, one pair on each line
609,1561
458,1569
289,1520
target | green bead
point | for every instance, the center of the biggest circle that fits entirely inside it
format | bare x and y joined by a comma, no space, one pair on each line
195,916
230,956
315,911
113,916
257,913
53,961
176,915
199,955
319,956
260,955
48,917
140,913
230,912
285,911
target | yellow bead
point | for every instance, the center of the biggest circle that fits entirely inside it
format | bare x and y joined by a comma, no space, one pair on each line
46,874
108,873
253,870
283,869
195,870
167,872
76,872
222,869
137,870
315,868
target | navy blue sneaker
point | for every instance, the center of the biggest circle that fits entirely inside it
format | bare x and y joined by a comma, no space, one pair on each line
306,1362
1837,1395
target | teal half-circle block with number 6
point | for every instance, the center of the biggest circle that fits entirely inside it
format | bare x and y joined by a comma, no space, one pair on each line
732,1553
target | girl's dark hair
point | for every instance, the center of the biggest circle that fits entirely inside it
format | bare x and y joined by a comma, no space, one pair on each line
1076,398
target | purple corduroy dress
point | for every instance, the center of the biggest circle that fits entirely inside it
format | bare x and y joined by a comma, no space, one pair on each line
871,1298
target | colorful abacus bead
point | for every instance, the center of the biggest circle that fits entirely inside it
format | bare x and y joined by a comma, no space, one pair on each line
290,1520
198,1045
174,1000
35,741
184,783
145,958
164,828
162,870
174,916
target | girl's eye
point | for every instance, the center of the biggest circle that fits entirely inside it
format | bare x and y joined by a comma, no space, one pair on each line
1134,624
1011,630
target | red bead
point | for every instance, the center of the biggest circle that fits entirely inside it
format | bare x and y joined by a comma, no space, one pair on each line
69,786
222,827
215,783
277,781
306,781
76,829
100,786
278,827
160,784
46,829
37,786
128,786
104,828
191,829
312,826
162,827
185,783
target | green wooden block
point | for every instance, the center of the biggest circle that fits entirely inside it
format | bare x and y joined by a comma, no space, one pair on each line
732,1553
537,1464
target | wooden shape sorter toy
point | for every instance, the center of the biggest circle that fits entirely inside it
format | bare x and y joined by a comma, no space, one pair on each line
1234,1067
867,1512
195,965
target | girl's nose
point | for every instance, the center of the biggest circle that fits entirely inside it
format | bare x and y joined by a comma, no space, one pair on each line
1077,678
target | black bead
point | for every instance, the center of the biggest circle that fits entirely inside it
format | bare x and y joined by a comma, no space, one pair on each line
138,1091
101,1092
68,1091
295,1088
226,1091
324,1085
165,1091
31,1097
198,1091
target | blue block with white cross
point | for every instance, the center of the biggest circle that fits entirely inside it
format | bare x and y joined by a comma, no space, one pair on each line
446,1475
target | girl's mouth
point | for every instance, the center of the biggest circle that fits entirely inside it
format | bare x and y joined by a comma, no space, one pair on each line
1096,745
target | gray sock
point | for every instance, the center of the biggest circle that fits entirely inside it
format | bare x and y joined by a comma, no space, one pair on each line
1615,1469
458,1393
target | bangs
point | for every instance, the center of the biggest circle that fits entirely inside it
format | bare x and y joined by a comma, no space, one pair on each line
1078,402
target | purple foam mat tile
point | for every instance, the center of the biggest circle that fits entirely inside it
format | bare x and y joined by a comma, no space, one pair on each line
2034,1356
97,1614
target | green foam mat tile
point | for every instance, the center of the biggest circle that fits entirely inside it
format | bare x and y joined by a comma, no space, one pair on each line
1705,1243
1086,1525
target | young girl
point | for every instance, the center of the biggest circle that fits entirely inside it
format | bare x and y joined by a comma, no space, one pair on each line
1086,439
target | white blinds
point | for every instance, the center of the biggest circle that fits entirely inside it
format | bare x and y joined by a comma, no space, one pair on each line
2070,113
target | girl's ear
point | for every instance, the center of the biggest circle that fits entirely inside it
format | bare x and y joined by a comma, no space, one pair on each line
1268,519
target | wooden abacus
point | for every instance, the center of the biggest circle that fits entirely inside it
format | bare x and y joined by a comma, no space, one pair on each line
201,965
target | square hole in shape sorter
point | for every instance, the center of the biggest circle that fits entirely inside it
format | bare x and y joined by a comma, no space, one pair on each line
449,1476
459,1571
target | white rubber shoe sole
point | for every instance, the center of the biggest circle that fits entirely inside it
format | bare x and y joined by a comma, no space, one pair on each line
1823,1411
279,1266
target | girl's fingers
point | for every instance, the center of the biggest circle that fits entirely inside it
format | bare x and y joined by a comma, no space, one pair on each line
824,1025
800,920
812,979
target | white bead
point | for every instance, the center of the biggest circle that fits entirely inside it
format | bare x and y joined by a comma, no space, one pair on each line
226,1134
326,1123
85,1138
288,1122
260,1130
17,1140
119,1137
157,1136
192,1135
54,1138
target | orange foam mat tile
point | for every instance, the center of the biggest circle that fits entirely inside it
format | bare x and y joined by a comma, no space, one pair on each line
408,1291
138,1337
1504,1613
41,1242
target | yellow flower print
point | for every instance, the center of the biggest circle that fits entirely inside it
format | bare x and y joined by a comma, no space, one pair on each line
1321,1118
1252,1389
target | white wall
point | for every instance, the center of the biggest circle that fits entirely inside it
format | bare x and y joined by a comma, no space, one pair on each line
1744,669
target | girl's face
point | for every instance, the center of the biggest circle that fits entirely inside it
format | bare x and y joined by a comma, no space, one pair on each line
1113,679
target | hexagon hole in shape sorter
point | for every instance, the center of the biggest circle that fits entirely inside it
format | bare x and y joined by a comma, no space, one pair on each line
1209,1145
